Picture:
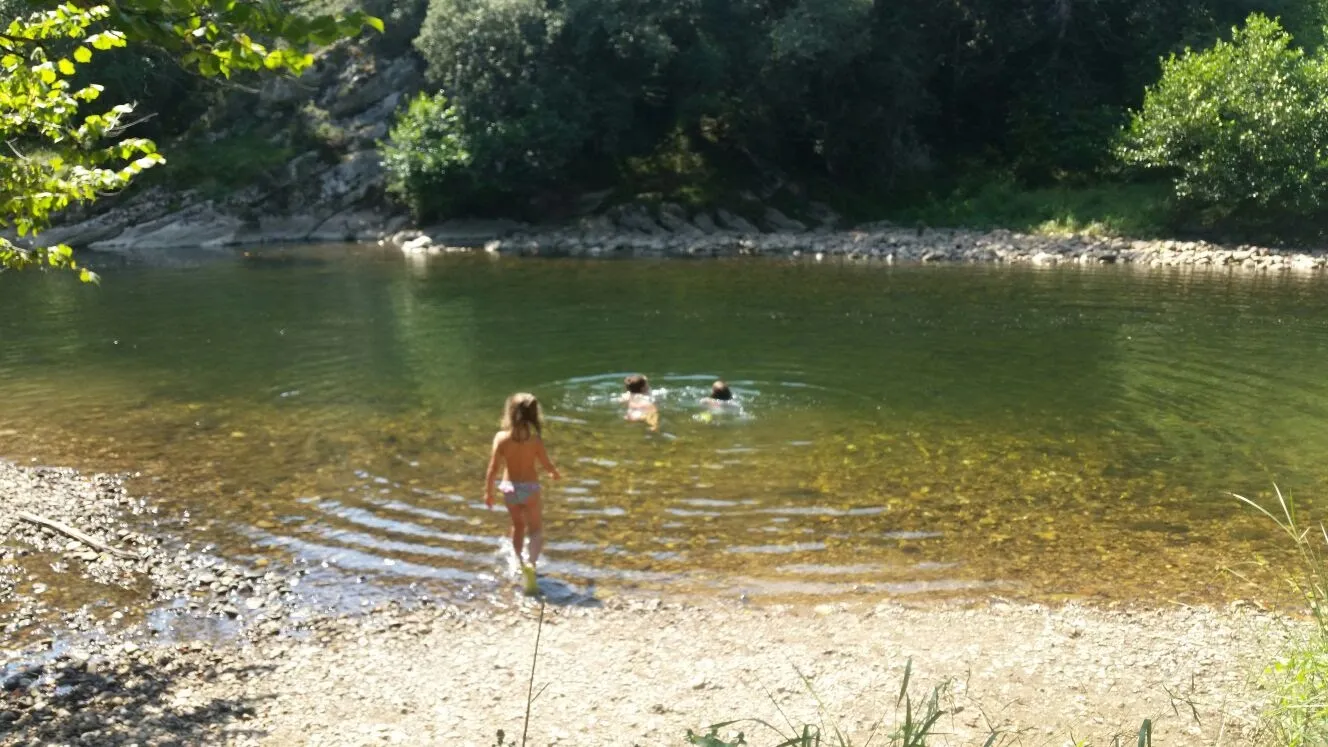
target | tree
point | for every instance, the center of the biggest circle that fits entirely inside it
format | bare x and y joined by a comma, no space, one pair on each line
1241,129
61,151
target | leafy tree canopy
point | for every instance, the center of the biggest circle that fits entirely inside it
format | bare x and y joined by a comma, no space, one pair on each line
63,146
1240,128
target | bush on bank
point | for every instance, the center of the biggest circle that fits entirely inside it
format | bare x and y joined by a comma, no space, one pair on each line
1240,129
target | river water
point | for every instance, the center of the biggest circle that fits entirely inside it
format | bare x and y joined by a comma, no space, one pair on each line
904,431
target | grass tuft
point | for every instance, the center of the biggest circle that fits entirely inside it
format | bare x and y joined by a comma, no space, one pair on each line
1128,210
914,729
1297,714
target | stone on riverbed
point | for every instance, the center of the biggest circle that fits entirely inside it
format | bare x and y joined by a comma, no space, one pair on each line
731,222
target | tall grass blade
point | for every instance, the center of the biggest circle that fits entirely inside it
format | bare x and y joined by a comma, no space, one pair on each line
534,660
903,688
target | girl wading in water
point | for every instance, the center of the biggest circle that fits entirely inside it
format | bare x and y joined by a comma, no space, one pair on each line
516,450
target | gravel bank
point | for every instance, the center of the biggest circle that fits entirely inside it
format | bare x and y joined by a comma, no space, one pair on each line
642,673
620,671
637,234
53,585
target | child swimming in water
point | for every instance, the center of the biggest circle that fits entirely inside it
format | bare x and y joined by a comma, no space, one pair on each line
719,394
719,401
516,450
640,405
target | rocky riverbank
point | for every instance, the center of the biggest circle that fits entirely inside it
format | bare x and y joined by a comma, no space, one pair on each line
635,231
637,672
332,189
613,671
57,587
670,232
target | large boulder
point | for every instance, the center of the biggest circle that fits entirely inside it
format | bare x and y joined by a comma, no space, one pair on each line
351,181
280,229
356,225
99,228
196,226
705,224
635,218
778,222
471,233
736,223
674,219
363,89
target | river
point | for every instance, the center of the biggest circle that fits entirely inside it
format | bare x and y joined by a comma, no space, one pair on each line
1035,433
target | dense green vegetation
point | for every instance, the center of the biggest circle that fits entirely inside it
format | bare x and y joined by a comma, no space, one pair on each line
897,105
1297,711
65,146
1241,129
1125,116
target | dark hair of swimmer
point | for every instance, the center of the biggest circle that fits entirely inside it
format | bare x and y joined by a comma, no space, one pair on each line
637,384
720,391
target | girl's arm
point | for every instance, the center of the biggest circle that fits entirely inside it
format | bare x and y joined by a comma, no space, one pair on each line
543,457
491,474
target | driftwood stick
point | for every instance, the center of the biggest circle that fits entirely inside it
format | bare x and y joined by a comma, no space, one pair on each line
73,533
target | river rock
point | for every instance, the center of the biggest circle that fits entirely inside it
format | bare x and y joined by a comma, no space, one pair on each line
280,91
635,218
471,233
824,215
199,226
100,228
351,181
705,223
594,227
277,229
380,112
674,219
777,221
355,225
361,90
418,245
733,222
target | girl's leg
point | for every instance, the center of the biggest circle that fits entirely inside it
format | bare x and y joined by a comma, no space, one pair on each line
535,521
518,530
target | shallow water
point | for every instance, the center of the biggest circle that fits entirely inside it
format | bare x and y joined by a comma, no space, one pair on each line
961,430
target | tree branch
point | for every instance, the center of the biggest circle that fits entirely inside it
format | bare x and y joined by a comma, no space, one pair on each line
73,533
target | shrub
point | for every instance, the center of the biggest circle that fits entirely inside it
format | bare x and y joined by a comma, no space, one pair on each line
525,114
1241,128
426,158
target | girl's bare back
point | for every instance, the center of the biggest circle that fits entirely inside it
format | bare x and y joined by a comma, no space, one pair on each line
520,456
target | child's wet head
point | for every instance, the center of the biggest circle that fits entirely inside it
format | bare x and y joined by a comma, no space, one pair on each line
720,391
637,384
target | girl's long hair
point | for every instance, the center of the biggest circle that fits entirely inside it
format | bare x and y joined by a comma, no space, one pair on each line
523,411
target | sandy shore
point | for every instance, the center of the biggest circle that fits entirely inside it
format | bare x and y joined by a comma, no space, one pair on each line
622,671
643,673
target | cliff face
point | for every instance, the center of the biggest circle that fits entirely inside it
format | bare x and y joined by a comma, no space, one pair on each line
330,189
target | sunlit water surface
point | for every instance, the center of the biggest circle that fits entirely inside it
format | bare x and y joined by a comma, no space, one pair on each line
904,432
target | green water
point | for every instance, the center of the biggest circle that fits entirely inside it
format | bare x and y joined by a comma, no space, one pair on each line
907,431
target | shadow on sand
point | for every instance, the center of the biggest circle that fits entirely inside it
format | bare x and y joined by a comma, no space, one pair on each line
136,698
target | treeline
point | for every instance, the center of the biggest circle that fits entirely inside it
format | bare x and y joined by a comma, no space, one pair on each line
887,98
531,101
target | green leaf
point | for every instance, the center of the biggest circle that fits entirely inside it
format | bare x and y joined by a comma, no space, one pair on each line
66,67
83,54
